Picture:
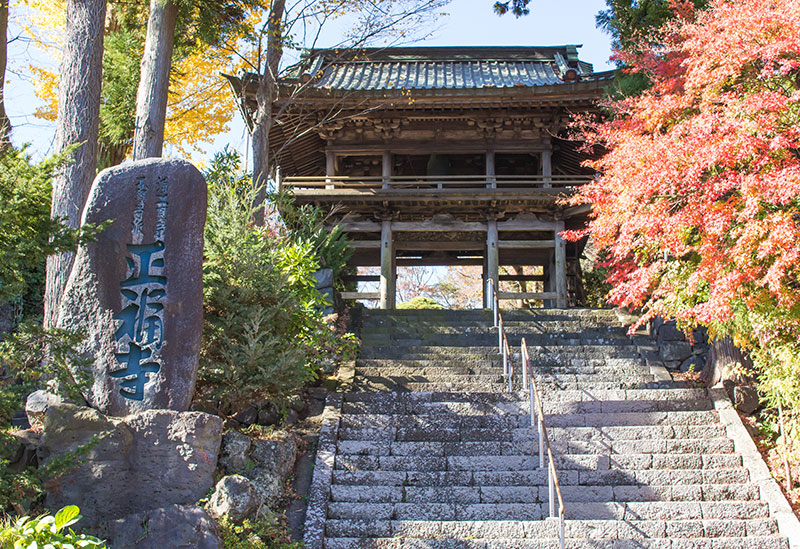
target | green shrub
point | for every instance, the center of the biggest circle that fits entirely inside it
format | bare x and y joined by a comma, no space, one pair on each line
265,533
420,303
305,225
263,334
27,233
31,358
47,531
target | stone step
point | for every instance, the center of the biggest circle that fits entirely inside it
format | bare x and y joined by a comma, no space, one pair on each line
691,518
413,386
641,478
474,443
573,495
578,462
572,365
544,330
482,404
745,541
521,421
489,338
546,352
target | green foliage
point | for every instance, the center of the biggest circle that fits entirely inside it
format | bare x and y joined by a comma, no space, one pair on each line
32,357
27,233
420,303
305,225
263,334
47,532
121,66
265,533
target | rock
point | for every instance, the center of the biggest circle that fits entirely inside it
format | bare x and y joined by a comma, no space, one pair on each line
268,485
269,414
247,415
327,294
24,456
235,497
745,397
669,332
235,448
36,405
137,291
694,363
140,462
672,364
323,278
297,403
7,317
700,335
675,351
20,420
291,417
274,459
172,526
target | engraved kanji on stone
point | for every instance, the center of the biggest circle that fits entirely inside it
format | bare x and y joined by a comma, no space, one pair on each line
140,330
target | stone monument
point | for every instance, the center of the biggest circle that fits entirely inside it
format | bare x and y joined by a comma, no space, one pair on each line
137,291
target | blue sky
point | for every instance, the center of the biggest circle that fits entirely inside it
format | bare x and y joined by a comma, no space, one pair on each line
468,23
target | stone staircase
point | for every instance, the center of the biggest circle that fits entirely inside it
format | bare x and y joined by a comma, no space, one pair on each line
429,449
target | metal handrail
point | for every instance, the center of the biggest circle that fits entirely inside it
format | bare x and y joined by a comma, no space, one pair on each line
537,417
536,409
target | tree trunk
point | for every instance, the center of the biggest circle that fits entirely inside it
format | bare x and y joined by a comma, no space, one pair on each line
151,97
727,365
80,80
5,124
265,96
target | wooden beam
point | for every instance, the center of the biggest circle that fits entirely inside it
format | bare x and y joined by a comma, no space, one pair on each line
517,278
580,209
361,278
526,244
526,222
437,245
360,295
365,243
527,295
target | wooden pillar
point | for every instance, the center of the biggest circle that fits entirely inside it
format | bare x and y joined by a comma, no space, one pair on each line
492,252
491,182
550,279
561,267
386,168
387,264
484,279
547,168
330,168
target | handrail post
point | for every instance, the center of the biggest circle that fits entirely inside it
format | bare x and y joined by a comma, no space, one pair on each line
561,528
541,441
504,350
533,413
510,368
500,333
524,357
552,489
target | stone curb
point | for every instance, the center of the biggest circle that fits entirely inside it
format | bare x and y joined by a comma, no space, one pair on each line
779,507
319,492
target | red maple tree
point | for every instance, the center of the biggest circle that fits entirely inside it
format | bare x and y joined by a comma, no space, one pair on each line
698,205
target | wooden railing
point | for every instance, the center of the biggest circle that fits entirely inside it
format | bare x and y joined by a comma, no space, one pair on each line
535,403
433,182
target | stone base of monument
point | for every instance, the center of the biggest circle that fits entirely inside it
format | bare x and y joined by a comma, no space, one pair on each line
171,526
137,464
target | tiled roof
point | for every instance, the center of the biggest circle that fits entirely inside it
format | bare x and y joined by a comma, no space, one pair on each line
441,68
